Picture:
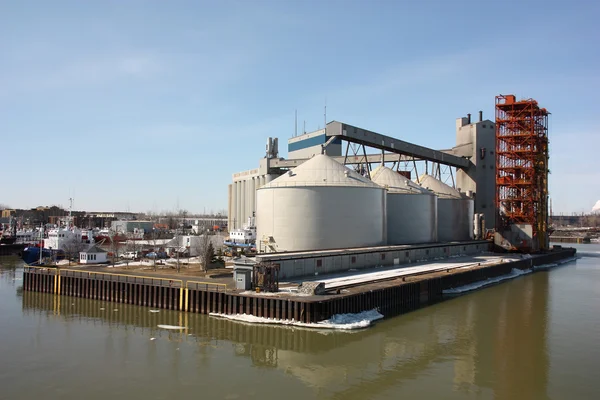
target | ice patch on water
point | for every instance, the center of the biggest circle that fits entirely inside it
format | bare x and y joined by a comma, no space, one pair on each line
339,321
171,327
477,285
154,311
594,254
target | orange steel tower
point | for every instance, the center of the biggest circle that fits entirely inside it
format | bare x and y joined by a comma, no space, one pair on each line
522,173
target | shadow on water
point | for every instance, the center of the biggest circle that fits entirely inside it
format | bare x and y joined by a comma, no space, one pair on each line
493,340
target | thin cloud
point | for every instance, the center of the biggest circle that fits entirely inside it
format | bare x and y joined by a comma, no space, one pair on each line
85,72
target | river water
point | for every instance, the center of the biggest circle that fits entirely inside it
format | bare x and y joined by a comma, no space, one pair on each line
535,337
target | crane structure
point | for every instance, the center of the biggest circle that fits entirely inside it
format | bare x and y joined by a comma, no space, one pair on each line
521,174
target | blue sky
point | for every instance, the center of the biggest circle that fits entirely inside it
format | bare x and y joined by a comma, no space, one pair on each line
152,105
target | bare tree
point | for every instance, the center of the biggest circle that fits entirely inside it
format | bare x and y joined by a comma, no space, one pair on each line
207,251
154,247
72,246
114,246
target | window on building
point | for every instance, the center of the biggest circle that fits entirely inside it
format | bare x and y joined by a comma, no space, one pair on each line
319,263
406,254
382,256
353,259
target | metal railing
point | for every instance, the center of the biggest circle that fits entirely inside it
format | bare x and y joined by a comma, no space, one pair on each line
206,286
40,270
105,276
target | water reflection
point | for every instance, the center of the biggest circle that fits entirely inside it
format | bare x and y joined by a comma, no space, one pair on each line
492,341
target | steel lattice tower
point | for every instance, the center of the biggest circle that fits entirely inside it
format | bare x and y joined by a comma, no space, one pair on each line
522,167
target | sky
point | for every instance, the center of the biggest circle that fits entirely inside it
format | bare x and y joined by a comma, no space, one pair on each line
153,105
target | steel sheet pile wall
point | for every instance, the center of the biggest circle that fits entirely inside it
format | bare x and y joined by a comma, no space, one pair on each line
390,298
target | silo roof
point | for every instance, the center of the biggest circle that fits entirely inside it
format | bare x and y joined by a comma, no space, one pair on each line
321,170
439,187
394,182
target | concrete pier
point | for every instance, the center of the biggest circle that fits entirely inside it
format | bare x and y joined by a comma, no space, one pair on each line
390,297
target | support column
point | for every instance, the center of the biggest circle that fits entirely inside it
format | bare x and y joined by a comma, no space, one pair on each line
230,204
244,201
238,208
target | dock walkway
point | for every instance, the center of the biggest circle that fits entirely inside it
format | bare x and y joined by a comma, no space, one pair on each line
411,288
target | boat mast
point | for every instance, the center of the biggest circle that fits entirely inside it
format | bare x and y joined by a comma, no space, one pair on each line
41,242
70,223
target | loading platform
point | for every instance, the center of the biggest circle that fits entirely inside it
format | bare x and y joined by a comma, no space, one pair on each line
393,296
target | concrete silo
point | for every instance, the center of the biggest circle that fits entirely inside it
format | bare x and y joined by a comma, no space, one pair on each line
320,205
455,210
411,209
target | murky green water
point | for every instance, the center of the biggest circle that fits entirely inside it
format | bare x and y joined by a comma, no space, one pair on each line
535,337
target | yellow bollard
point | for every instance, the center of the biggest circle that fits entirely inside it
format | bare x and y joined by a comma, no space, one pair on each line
187,301
181,298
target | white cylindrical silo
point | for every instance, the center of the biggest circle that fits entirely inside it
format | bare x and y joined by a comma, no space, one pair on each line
320,205
411,210
455,211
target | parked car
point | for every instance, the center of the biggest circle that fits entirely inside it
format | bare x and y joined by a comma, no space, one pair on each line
160,254
130,255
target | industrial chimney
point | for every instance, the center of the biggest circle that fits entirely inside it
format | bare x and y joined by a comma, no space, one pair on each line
480,116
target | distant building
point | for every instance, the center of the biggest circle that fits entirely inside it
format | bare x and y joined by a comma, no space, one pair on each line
129,226
8,213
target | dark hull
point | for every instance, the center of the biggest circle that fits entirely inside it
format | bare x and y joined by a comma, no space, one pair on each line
31,255
7,240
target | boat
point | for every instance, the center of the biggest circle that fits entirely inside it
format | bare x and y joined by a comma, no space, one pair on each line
31,256
5,239
245,237
62,240
109,236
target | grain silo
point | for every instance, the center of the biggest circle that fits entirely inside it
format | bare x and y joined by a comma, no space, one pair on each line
411,210
454,211
320,205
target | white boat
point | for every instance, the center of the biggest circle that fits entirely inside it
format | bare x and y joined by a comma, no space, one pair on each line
245,236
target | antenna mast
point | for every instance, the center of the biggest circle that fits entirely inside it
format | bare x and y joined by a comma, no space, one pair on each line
325,117
296,124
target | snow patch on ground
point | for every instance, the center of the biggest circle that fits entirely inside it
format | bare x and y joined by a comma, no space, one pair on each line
477,285
339,321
